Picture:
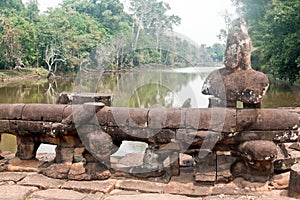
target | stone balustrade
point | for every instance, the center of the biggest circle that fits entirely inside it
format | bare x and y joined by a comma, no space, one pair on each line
93,132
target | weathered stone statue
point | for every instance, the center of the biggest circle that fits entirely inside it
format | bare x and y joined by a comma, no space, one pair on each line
237,81
238,85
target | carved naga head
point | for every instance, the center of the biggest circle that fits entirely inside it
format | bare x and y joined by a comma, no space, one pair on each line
238,49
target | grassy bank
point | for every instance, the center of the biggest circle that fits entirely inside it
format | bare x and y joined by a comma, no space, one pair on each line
22,74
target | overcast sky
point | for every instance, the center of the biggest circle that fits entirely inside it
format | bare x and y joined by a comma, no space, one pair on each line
201,20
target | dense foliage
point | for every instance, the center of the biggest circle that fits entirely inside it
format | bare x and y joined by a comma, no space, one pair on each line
216,51
274,26
61,38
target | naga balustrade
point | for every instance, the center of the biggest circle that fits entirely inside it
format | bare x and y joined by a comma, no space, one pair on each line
101,129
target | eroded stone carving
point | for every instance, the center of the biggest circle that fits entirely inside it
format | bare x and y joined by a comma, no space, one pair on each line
237,81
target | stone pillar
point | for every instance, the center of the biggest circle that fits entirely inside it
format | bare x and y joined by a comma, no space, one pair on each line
206,168
174,165
294,184
65,150
27,147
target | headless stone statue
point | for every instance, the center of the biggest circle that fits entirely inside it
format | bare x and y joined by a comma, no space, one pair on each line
237,81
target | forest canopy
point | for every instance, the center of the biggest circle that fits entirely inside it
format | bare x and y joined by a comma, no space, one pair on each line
62,37
274,26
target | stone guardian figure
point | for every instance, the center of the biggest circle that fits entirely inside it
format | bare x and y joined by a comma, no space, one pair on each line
237,81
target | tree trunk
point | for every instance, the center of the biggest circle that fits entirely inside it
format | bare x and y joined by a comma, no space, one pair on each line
137,37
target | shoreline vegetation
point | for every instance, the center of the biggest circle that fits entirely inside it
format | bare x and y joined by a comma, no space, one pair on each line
24,74
87,34
104,33
15,75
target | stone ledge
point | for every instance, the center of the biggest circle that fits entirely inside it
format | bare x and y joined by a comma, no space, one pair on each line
140,186
57,194
41,181
105,186
16,192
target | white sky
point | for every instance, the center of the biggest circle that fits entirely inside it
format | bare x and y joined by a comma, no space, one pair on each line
201,20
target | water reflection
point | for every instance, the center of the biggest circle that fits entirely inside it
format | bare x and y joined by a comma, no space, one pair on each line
282,96
160,88
150,95
166,88
34,91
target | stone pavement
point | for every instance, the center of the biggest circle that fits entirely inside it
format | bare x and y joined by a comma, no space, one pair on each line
34,186
30,185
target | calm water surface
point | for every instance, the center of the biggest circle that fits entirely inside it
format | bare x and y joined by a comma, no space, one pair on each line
150,88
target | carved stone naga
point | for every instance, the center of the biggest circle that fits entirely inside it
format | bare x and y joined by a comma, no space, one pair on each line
237,81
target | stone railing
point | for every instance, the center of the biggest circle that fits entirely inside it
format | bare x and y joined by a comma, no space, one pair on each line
92,132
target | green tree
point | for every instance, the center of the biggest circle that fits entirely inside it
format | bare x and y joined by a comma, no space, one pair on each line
69,36
152,17
7,5
216,52
109,13
31,11
18,40
10,43
274,26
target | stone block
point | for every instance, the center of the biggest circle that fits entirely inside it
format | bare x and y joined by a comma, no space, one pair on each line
41,181
18,165
188,189
4,126
34,127
97,195
138,117
140,186
11,111
27,147
163,136
294,183
213,119
246,118
58,194
64,154
266,120
276,136
43,112
17,192
98,171
78,172
92,97
104,186
59,171
132,117
70,141
160,118
104,115
12,176
214,168
126,196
